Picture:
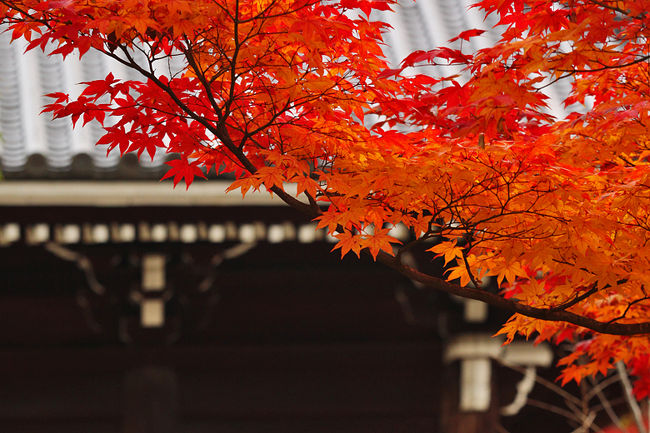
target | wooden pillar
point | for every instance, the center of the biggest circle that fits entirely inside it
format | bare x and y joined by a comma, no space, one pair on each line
470,401
150,401
454,418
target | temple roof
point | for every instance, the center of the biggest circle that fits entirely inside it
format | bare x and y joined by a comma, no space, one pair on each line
32,146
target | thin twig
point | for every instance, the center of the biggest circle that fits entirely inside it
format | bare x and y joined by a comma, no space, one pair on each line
631,401
544,382
597,390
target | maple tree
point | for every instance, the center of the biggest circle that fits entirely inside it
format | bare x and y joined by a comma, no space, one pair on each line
298,91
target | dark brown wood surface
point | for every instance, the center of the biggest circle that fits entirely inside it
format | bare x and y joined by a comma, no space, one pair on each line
287,339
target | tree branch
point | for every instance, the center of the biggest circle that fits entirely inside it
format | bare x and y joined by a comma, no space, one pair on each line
498,301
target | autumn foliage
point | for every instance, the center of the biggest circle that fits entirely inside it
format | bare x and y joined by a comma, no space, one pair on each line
298,91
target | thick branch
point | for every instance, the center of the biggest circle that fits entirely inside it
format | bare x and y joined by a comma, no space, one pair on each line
496,300
552,314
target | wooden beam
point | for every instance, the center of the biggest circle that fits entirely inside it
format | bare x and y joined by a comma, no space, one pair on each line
133,193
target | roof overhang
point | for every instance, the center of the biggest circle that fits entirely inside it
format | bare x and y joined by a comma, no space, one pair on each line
130,193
